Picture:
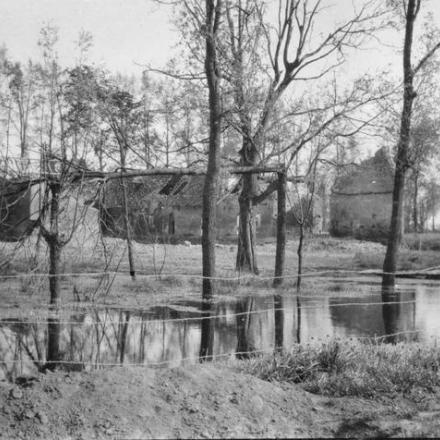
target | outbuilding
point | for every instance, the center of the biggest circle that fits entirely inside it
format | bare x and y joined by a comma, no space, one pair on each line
361,199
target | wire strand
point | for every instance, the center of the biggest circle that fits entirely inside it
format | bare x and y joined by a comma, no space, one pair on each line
373,272
206,317
199,358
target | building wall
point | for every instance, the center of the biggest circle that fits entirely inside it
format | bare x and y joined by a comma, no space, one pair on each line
365,216
361,199
265,214
15,221
148,226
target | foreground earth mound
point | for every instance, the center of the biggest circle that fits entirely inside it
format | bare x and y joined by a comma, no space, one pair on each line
201,401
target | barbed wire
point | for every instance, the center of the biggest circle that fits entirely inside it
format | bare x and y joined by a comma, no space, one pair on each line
206,314
373,272
165,299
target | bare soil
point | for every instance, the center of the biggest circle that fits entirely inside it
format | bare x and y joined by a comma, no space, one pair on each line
202,401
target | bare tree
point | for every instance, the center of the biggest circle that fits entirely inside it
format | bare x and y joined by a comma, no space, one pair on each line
214,11
411,10
120,111
295,53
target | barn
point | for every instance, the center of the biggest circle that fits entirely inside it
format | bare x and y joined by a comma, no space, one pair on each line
161,208
164,208
361,199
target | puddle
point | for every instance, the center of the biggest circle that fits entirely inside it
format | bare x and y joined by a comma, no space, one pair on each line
186,332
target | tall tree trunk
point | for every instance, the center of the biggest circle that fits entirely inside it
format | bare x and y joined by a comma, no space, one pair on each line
394,238
416,202
146,138
54,270
127,224
54,244
246,258
8,124
213,11
281,230
299,252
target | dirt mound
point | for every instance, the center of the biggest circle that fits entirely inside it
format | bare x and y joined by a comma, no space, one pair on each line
145,403
201,401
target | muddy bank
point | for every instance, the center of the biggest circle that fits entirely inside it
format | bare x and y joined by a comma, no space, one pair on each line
202,401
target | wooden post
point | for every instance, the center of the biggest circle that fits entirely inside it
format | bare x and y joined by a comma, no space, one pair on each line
281,230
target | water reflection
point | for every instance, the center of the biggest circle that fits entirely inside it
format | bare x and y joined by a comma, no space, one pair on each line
207,332
244,315
390,314
298,320
53,344
194,331
279,322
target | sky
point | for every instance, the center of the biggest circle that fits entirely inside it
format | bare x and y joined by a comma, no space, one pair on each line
131,33
126,32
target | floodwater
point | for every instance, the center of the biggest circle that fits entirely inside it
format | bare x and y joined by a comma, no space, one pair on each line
191,331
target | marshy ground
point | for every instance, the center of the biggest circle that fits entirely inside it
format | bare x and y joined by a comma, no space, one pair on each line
336,388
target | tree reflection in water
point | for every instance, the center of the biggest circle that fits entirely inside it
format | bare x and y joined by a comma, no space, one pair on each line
207,331
243,311
279,322
124,318
53,356
390,313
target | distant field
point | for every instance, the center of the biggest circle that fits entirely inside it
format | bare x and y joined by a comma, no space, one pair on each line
170,271
92,254
427,241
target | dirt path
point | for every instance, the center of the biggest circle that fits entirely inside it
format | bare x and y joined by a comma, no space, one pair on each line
201,401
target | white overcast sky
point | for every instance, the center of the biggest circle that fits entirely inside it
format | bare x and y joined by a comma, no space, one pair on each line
130,32
125,32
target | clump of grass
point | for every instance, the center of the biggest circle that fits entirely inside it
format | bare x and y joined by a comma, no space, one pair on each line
423,241
365,260
352,368
408,259
172,280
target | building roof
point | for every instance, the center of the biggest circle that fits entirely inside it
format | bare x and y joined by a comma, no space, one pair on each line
185,191
372,176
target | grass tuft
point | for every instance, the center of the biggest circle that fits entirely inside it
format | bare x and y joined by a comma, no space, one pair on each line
352,368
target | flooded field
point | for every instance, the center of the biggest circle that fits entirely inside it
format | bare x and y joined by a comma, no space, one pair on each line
187,331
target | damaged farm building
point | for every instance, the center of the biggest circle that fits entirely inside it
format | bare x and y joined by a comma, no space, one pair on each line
17,216
164,208
361,199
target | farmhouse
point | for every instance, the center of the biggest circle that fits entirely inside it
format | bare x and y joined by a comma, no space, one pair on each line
170,208
160,207
361,199
20,208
